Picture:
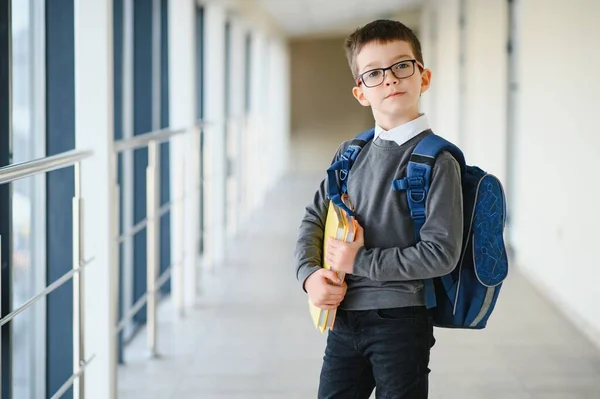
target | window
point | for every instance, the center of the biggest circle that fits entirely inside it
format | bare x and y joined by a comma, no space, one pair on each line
27,199
200,112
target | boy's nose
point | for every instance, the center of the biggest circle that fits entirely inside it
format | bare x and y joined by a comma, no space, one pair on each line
390,78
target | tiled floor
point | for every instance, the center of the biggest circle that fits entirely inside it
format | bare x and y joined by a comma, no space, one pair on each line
251,336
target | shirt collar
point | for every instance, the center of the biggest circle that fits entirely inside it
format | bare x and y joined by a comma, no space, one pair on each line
401,134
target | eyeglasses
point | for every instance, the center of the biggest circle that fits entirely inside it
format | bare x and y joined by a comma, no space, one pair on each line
402,70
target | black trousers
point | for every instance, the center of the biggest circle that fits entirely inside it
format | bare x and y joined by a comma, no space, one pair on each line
385,348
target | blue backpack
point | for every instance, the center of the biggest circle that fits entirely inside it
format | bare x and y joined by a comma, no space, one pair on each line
466,297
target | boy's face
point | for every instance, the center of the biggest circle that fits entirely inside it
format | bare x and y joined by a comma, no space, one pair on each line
393,95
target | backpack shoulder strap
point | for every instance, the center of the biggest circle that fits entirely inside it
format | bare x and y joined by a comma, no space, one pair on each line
418,175
417,183
431,146
343,164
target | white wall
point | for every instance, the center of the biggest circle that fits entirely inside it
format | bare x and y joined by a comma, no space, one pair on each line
184,176
100,226
558,159
261,145
235,122
215,16
484,137
255,143
428,37
445,71
556,155
278,112
473,114
267,131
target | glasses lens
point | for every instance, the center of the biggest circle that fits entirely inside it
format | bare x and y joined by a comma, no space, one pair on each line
373,78
403,69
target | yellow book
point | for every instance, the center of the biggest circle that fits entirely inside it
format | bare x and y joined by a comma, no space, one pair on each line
340,225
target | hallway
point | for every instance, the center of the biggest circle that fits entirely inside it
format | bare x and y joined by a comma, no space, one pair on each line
147,236
250,335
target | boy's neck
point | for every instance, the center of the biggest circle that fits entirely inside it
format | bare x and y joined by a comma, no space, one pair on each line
388,123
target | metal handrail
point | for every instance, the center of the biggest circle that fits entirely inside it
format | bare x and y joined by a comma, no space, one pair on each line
139,304
164,277
45,292
151,141
69,383
18,171
40,166
151,223
141,225
143,140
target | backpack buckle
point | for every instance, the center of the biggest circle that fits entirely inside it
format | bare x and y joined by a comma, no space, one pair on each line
351,153
417,214
415,182
412,183
347,159
416,194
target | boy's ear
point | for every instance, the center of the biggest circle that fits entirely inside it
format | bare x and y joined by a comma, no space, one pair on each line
357,92
425,80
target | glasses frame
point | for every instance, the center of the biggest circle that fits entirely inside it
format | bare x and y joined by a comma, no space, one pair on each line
360,78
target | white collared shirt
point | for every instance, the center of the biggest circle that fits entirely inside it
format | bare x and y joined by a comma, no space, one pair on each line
401,134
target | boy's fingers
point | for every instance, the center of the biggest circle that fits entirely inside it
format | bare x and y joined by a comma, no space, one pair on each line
331,275
330,254
332,242
330,261
359,232
334,295
337,289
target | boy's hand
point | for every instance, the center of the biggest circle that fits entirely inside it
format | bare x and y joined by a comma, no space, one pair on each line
340,255
322,292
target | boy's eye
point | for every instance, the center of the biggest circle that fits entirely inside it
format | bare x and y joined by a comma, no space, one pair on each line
374,74
403,65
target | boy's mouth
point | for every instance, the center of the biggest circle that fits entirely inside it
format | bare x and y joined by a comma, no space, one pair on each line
395,94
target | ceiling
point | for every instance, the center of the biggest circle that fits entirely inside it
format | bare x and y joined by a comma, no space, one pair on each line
314,17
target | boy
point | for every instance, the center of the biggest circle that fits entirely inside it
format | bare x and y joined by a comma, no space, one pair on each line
383,332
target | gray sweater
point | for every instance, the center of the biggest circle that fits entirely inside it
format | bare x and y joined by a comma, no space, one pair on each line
389,269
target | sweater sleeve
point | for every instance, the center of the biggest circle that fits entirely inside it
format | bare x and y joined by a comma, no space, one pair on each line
309,245
439,250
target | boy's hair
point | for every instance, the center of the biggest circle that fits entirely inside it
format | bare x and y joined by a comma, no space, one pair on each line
382,31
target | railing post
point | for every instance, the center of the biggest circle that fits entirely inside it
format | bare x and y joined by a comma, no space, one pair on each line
114,259
78,287
179,210
197,181
1,382
152,241
128,160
